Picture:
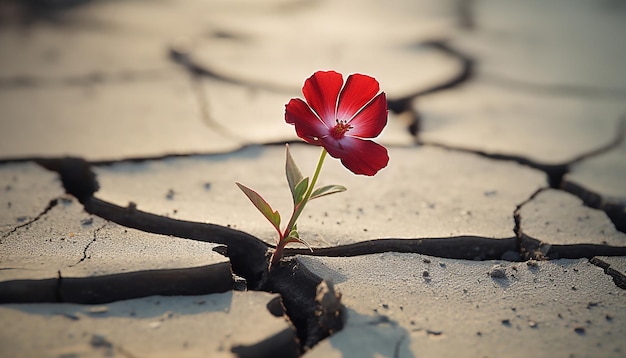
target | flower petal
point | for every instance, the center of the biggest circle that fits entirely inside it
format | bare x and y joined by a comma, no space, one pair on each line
371,120
360,156
308,126
358,90
321,91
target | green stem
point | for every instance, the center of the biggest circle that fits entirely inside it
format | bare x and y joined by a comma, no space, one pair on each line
297,210
300,207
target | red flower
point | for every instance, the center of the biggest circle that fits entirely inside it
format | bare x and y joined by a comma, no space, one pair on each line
338,116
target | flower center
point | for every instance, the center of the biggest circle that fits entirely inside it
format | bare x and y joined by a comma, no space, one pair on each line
340,129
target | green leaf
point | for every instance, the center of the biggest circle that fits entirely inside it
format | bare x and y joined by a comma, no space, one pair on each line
300,190
294,233
294,176
262,205
295,237
327,190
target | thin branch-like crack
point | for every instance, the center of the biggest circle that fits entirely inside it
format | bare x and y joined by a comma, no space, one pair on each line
517,212
396,349
402,104
95,237
203,106
183,57
556,172
619,138
517,219
615,209
88,79
51,204
618,277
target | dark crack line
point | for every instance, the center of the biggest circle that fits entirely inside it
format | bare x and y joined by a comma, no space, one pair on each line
556,172
396,349
203,105
618,277
616,142
51,204
88,79
244,249
183,57
614,208
403,104
248,254
46,162
457,247
95,237
517,229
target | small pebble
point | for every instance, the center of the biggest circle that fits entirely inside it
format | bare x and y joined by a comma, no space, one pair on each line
497,271
100,341
592,304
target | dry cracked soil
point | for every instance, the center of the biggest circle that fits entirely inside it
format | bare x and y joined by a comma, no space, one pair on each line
497,229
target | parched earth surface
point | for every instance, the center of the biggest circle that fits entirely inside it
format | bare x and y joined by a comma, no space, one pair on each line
497,229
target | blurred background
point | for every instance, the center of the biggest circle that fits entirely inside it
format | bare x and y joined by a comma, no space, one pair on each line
110,79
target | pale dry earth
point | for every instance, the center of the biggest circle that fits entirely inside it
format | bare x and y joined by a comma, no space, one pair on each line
506,138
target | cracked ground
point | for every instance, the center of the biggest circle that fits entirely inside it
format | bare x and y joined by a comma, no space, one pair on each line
497,229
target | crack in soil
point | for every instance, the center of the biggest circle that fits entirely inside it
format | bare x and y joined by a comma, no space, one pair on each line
534,249
51,204
95,236
298,286
556,172
249,257
405,104
182,56
248,254
457,247
618,277
614,209
203,106
201,280
396,348
84,80
524,242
